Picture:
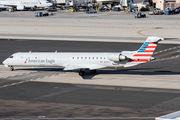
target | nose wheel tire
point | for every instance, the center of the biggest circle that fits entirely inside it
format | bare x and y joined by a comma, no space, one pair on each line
81,73
12,68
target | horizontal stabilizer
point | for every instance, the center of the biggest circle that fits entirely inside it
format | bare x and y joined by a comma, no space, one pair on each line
130,65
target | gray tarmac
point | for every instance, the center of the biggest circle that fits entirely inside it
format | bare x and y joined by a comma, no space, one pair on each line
79,26
144,91
51,92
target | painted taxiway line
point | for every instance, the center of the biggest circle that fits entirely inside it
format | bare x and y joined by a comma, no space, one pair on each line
173,57
74,26
17,75
24,81
82,118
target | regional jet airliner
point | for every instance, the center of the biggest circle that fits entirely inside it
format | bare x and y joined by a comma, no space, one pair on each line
85,60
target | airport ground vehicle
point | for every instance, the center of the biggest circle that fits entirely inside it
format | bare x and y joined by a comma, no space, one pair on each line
38,14
139,15
90,12
70,9
51,10
41,14
116,9
156,11
133,8
45,14
170,11
104,9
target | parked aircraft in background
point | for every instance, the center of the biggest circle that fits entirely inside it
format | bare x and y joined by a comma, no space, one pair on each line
24,4
84,60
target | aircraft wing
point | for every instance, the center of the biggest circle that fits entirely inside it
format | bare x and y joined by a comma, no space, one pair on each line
83,66
171,116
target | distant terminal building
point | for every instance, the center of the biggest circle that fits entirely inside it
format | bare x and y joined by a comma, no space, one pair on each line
109,3
163,4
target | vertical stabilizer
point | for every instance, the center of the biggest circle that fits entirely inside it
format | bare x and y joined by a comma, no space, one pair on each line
145,52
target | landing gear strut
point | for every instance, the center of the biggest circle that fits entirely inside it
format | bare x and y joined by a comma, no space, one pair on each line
12,68
81,73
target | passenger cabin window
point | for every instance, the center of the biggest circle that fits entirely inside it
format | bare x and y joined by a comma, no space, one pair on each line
11,57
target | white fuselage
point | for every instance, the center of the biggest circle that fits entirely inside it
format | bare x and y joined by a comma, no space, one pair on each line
61,59
85,60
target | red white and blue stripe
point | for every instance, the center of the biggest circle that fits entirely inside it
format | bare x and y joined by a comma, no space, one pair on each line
144,53
39,1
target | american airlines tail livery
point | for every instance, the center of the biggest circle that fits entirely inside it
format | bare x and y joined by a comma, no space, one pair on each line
85,60
23,4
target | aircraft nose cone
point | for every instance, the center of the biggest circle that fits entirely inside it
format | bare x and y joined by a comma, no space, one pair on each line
5,62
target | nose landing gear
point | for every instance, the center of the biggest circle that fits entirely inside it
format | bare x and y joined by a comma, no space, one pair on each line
12,68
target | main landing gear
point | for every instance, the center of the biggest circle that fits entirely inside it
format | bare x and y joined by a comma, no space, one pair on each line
92,71
12,68
82,72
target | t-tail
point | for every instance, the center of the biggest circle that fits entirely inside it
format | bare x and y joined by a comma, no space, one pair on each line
144,54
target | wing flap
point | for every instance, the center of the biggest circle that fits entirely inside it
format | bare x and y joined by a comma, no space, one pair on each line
83,66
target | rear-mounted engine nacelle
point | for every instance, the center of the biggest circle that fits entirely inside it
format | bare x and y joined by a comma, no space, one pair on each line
117,57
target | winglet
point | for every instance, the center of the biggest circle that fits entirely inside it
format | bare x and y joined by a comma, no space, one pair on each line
154,39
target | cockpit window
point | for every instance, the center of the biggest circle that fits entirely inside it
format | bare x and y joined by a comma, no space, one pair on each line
11,57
